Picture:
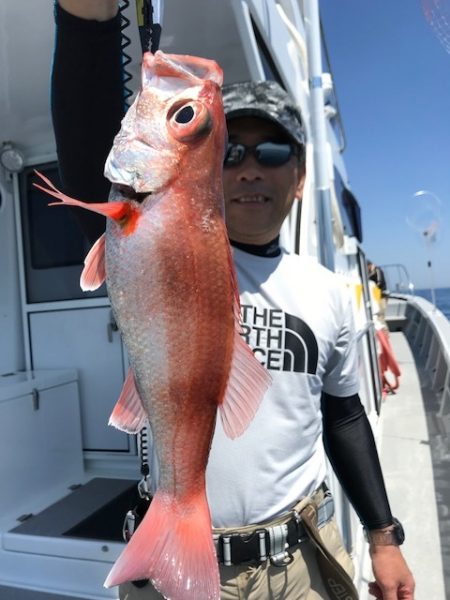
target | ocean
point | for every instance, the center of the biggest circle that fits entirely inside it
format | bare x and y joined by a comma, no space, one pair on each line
442,299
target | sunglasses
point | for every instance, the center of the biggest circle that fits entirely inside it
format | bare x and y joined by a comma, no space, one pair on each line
267,154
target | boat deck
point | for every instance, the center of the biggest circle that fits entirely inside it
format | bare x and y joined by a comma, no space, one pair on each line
417,474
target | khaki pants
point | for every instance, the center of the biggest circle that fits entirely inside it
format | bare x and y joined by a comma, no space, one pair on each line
299,580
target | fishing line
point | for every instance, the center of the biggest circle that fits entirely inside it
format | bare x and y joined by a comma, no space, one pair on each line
148,20
126,58
149,17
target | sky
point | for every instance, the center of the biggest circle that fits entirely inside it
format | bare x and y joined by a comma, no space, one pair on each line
392,78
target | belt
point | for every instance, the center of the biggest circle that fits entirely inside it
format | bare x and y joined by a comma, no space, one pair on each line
270,541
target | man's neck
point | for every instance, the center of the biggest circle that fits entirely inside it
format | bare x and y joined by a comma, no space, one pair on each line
269,250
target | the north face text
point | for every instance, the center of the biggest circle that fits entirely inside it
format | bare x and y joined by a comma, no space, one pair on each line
280,341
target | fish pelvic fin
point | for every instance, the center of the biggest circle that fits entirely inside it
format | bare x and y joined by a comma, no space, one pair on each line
123,213
246,387
173,546
128,414
94,272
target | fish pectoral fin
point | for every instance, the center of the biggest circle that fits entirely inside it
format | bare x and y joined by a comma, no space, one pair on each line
173,547
94,272
247,385
122,212
129,414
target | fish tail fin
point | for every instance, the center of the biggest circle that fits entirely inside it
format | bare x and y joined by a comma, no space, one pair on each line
173,546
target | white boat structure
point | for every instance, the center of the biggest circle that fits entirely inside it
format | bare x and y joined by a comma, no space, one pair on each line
67,479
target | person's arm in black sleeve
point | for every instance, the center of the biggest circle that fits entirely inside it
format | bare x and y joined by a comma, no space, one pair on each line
351,449
87,107
350,446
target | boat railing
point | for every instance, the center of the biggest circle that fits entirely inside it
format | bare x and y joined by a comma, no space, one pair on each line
399,289
397,279
428,333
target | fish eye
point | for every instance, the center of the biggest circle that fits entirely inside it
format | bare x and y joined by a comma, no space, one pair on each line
189,120
185,115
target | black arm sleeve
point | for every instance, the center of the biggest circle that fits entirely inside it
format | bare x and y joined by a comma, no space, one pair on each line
87,106
351,449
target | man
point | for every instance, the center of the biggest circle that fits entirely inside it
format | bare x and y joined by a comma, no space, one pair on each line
303,334
376,275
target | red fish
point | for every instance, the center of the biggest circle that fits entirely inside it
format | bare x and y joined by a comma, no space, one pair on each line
170,278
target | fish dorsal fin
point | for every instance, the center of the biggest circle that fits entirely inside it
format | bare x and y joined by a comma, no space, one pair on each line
129,414
94,272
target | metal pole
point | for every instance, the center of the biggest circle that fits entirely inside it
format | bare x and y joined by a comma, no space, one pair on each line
432,286
318,130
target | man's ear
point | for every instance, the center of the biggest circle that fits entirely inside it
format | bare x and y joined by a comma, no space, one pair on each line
300,185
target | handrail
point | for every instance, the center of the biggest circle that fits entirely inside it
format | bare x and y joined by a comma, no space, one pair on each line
400,283
437,322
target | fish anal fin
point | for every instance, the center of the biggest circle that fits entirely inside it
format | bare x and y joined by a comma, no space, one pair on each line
129,414
94,272
173,547
246,387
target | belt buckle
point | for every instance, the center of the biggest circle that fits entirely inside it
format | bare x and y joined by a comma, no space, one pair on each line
226,549
278,536
262,544
228,542
282,559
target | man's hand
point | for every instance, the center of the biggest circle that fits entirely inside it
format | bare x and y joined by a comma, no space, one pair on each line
393,579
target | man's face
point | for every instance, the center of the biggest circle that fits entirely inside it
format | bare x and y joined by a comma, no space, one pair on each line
258,198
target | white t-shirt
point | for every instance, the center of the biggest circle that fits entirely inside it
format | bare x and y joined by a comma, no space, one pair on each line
297,318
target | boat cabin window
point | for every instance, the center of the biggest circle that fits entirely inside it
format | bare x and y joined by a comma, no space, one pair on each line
54,247
350,210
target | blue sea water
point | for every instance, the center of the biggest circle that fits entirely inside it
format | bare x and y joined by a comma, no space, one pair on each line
442,299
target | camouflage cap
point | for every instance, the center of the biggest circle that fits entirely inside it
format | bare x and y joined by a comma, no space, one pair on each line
267,100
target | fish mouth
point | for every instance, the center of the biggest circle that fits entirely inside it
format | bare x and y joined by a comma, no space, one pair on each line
126,192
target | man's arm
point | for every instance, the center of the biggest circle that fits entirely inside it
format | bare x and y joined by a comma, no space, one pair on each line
96,10
351,448
87,99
